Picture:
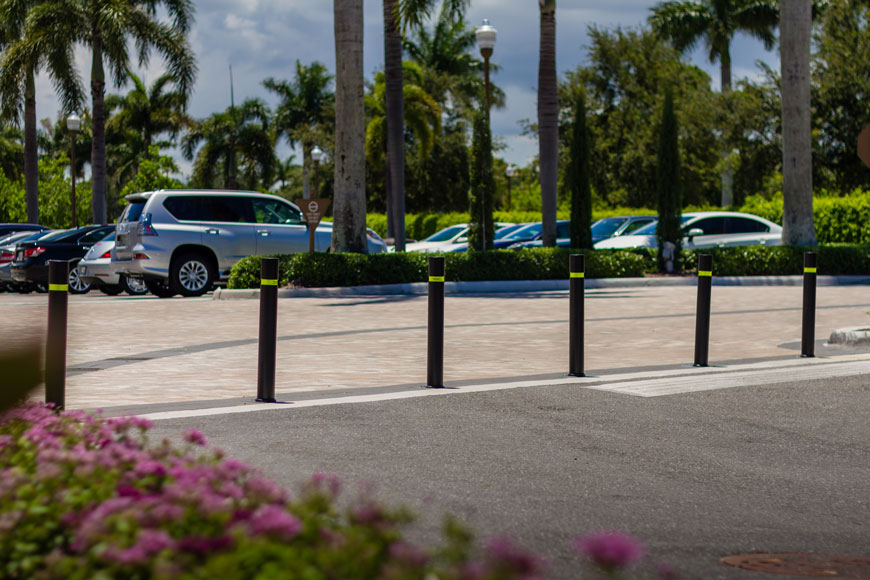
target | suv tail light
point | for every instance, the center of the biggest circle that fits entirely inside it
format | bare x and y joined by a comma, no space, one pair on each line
145,227
33,252
106,255
6,257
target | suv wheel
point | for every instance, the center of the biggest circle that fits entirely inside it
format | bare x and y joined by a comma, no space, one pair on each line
191,275
76,284
159,288
133,286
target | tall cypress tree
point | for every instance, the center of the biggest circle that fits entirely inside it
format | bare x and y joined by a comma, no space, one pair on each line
482,193
578,179
668,188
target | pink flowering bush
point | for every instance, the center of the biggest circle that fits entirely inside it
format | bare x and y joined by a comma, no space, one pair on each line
83,497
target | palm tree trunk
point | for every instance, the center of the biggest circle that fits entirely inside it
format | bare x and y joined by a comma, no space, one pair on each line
306,171
797,162
395,121
31,153
727,176
349,213
98,146
548,121
725,69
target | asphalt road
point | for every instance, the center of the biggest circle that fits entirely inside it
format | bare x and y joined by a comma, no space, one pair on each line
696,476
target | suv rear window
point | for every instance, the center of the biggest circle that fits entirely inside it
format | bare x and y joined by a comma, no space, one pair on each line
209,208
132,212
184,207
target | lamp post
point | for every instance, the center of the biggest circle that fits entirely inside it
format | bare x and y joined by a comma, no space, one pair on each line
510,173
316,155
73,124
486,36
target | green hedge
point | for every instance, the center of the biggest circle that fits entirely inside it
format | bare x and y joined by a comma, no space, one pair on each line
326,270
783,260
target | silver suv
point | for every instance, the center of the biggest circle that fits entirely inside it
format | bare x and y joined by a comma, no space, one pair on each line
182,241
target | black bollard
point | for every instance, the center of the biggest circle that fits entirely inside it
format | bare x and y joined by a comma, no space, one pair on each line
55,348
268,330
809,322
435,365
702,312
577,273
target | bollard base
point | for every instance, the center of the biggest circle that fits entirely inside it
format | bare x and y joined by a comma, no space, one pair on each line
259,400
699,365
576,374
808,356
434,386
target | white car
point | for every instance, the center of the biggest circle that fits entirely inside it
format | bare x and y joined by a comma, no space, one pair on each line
706,229
444,240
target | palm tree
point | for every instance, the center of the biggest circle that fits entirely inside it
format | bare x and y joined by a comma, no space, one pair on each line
238,149
349,207
26,50
422,116
304,112
148,112
797,163
108,27
685,22
548,121
398,15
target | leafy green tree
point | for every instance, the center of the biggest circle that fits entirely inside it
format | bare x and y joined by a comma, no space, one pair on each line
305,113
237,148
548,120
622,81
422,119
26,50
482,194
11,151
668,186
577,177
439,182
55,195
108,28
154,173
840,68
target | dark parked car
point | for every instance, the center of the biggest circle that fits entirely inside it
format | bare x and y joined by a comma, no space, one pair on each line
7,253
30,264
612,227
6,229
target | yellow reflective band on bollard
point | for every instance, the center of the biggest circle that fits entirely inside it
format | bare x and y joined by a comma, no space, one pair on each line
436,278
578,274
704,273
268,282
58,288
809,270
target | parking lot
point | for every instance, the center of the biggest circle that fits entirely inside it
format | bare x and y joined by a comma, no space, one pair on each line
126,350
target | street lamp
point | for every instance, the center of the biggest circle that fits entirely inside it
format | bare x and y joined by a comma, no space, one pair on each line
316,154
510,173
485,35
73,124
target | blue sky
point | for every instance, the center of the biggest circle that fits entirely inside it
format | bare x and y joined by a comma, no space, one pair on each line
264,38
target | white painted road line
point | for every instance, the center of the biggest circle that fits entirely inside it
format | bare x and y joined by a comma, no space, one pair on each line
674,386
641,384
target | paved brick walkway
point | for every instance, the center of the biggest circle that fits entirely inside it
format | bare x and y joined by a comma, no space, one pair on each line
128,351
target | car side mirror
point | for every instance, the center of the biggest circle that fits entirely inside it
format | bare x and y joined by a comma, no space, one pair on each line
695,232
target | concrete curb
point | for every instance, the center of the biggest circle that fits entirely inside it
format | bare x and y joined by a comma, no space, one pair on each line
491,287
852,336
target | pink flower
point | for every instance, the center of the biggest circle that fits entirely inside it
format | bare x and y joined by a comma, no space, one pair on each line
195,437
326,482
274,520
524,564
610,550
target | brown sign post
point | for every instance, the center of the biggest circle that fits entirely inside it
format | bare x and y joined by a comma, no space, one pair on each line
864,145
313,210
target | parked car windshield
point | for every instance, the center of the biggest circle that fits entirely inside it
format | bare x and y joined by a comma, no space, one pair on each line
650,229
606,226
445,234
507,230
525,232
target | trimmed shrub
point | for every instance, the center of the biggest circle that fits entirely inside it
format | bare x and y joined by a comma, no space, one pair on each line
325,270
783,260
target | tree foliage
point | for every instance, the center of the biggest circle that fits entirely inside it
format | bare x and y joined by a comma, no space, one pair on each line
668,184
482,193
